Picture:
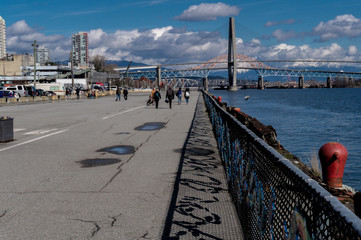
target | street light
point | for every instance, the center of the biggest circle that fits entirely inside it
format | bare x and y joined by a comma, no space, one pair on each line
35,46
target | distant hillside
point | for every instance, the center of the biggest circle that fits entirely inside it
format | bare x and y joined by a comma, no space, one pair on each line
124,63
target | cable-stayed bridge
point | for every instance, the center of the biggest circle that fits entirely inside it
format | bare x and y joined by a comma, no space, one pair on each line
232,62
184,71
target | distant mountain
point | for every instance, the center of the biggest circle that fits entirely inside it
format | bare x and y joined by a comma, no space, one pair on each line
123,63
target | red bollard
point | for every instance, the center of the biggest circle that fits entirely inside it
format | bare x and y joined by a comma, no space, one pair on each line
333,157
219,99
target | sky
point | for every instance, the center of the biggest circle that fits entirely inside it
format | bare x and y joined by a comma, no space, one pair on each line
181,31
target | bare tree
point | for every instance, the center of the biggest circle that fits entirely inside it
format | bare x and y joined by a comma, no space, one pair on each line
99,63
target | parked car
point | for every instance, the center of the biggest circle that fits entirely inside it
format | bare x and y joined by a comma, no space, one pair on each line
6,94
40,92
20,89
31,91
50,93
100,88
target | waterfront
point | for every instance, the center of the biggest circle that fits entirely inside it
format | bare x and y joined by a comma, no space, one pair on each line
305,119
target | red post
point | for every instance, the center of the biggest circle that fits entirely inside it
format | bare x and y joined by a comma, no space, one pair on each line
333,157
219,99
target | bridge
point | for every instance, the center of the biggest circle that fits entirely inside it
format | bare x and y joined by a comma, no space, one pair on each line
231,62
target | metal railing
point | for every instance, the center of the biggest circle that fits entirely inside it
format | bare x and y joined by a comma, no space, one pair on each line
275,199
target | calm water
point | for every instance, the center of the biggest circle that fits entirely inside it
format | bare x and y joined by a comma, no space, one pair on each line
305,119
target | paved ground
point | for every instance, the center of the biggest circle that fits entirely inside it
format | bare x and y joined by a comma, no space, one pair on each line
101,169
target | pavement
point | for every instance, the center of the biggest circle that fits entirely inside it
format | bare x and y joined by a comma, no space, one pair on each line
101,169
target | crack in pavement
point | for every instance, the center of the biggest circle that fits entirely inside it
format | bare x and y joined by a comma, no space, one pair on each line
3,214
99,225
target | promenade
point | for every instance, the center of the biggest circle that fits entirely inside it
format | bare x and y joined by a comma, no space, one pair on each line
101,169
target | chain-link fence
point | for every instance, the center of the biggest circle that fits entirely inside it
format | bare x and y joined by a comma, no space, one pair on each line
274,199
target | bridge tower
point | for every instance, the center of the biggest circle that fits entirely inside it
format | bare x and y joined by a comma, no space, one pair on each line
232,57
301,82
329,82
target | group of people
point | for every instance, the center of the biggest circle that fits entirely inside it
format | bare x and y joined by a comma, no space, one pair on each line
119,94
155,95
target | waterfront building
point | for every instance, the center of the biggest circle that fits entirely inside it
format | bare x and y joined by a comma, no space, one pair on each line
42,55
13,65
2,38
80,49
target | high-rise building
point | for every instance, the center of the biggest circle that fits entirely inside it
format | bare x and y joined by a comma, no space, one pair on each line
80,49
2,38
42,55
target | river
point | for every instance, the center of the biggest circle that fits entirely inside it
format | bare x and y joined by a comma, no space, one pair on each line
305,119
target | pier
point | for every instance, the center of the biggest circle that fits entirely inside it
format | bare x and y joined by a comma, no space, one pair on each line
101,169
104,169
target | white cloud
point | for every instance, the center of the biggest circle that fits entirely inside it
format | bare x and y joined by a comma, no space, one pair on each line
282,22
20,36
352,50
169,45
208,12
342,26
281,35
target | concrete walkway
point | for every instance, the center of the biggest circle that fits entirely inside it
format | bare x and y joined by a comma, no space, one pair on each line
101,169
201,207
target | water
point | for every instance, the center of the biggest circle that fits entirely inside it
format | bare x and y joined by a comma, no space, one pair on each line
120,150
151,126
305,119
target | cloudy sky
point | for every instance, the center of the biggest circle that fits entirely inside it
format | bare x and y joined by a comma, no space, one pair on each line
176,31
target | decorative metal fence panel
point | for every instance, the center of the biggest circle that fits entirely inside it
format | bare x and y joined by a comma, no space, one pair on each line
274,199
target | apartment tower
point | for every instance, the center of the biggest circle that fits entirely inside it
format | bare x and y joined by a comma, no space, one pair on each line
42,55
80,49
2,38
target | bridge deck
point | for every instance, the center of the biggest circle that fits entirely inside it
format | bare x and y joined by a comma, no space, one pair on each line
91,169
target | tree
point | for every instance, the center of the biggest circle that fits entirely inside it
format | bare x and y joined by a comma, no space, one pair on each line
99,63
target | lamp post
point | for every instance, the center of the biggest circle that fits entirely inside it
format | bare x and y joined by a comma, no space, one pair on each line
35,46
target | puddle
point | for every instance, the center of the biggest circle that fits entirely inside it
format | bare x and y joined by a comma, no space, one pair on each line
97,162
123,133
119,149
150,126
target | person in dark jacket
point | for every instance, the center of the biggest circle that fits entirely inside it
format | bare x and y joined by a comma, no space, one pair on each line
170,96
179,95
118,92
157,96
125,93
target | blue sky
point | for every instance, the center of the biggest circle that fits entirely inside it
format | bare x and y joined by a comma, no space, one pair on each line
172,31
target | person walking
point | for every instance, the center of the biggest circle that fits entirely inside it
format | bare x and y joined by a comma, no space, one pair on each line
78,93
170,96
179,95
157,96
67,92
118,92
125,93
187,94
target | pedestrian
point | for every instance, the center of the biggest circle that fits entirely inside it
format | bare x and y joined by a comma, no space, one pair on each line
118,93
152,94
179,95
156,97
67,91
170,96
187,95
125,93
78,93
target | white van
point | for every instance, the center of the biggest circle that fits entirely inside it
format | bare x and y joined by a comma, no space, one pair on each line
20,89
